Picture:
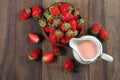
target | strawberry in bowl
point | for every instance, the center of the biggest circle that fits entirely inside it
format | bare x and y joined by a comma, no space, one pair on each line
61,22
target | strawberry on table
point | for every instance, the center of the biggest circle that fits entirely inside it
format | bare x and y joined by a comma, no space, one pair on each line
48,57
54,10
68,65
59,34
103,35
34,38
65,26
69,34
95,29
73,24
25,13
34,54
36,12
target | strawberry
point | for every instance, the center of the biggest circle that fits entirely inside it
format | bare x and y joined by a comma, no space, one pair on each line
42,22
48,29
65,26
56,22
52,37
67,16
34,38
56,50
73,24
103,35
64,41
75,32
47,15
66,7
50,21
60,24
59,34
76,13
68,65
69,34
36,12
81,23
25,13
48,57
54,10
95,29
80,26
34,54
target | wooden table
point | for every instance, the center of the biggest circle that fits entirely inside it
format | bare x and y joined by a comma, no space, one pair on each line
14,43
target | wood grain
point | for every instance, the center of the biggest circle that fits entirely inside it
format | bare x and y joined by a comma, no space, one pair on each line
14,43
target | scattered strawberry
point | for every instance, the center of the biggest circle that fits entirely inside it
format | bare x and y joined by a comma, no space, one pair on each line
69,34
56,50
34,38
65,26
48,29
54,10
66,7
103,35
52,37
36,12
42,22
67,16
95,29
64,41
48,57
25,13
34,54
59,34
68,65
73,24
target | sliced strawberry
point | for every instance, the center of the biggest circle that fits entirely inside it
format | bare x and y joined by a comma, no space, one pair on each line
34,54
25,13
48,57
34,38
73,24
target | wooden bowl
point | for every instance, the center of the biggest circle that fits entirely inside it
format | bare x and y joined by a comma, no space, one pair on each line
60,44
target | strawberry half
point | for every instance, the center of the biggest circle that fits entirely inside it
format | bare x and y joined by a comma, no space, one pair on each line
68,65
73,24
54,10
25,13
36,12
34,54
103,35
59,34
48,57
34,38
65,26
95,29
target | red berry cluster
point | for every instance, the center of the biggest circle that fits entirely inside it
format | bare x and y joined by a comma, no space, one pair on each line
61,22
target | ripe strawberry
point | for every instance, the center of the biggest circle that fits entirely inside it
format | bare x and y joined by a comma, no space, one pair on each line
80,26
48,57
50,21
42,22
64,41
34,54
60,24
65,26
103,35
54,10
36,12
67,16
56,50
48,29
73,24
66,7
59,34
95,29
52,37
76,13
34,38
76,32
69,34
25,13
68,65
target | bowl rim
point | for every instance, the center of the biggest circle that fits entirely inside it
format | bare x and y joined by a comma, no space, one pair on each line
80,34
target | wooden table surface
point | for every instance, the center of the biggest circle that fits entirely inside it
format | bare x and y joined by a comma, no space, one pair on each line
14,43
